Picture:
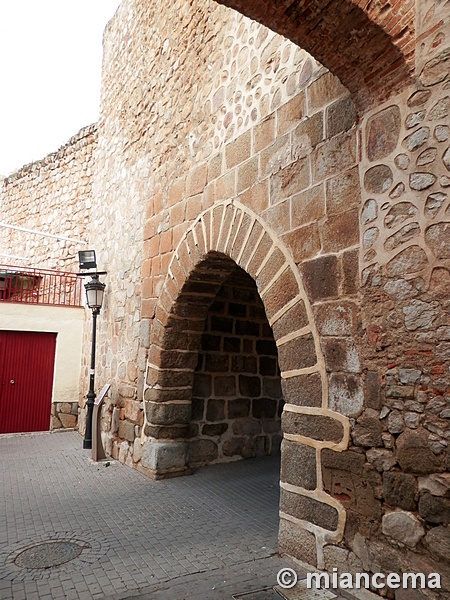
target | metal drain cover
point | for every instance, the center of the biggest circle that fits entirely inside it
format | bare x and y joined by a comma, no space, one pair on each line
49,554
264,594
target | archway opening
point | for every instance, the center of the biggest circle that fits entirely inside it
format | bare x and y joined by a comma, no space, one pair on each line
237,398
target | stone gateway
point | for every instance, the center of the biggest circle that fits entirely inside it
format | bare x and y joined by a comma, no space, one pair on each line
268,190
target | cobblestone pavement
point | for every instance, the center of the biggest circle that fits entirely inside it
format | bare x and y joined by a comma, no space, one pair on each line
208,536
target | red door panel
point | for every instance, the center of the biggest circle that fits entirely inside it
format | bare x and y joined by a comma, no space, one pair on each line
26,380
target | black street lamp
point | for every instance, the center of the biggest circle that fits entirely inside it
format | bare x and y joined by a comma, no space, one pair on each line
94,298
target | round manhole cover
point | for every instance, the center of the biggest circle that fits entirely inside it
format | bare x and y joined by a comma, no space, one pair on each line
49,554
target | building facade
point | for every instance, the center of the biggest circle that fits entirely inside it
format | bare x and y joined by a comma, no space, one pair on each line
270,201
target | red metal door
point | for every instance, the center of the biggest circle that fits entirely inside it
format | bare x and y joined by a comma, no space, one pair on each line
26,380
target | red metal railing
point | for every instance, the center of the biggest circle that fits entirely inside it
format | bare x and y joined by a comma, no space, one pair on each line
39,286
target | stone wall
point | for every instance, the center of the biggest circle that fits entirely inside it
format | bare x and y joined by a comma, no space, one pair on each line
54,196
236,393
222,145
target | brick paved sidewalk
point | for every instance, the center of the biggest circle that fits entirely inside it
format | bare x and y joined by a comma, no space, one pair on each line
208,536
140,532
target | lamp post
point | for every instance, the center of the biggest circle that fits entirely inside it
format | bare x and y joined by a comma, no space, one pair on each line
94,298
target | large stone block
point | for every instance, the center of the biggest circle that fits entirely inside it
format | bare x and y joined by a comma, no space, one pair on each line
368,429
317,427
435,509
303,390
334,156
165,457
438,541
340,231
346,394
298,465
341,355
202,452
309,509
297,353
400,489
321,277
403,527
293,319
279,294
126,431
414,454
382,133
161,413
296,541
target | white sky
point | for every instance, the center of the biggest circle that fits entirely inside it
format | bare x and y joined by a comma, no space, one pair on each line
50,67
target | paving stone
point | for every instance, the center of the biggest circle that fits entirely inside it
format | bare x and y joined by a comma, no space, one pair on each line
186,525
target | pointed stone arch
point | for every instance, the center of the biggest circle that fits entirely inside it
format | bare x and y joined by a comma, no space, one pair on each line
226,235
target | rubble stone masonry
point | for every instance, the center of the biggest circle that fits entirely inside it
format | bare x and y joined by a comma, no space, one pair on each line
276,234
54,196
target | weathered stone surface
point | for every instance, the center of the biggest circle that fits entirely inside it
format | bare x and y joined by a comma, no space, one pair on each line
395,422
316,427
309,509
297,541
414,119
214,430
303,390
297,353
341,355
381,459
367,431
436,69
438,239
407,261
346,394
420,315
400,489
202,451
403,527
341,116
434,509
421,181
321,277
414,454
369,212
162,457
438,541
67,421
399,213
336,318
419,98
162,413
402,161
126,431
406,233
292,456
378,179
426,157
383,130
417,139
434,203
437,484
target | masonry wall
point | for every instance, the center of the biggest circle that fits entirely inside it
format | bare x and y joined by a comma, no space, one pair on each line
224,145
237,142
236,393
54,196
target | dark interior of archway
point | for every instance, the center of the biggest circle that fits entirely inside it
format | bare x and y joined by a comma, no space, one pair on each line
344,39
237,399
